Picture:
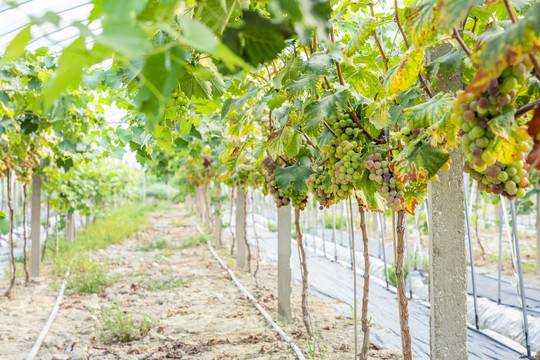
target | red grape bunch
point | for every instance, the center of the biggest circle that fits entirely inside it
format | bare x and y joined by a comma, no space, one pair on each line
281,197
474,113
389,187
316,186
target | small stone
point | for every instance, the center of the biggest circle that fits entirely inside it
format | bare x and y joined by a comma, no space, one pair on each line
60,357
46,357
78,355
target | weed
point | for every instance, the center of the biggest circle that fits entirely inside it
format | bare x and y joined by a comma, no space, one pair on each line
157,245
178,223
312,349
272,226
118,326
165,284
328,221
529,267
88,277
392,273
194,240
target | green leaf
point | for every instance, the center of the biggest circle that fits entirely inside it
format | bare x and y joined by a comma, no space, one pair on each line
4,224
505,48
365,29
504,124
238,103
452,13
15,49
291,70
275,146
216,14
369,194
70,66
430,112
293,144
304,83
258,41
418,20
381,115
418,162
329,105
198,35
201,82
296,174
124,37
405,74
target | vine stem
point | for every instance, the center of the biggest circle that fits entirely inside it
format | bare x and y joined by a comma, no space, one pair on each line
381,50
420,77
462,43
526,108
329,129
513,17
9,291
304,270
402,293
355,310
365,297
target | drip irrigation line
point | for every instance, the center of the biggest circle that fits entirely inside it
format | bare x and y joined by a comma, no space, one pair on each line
50,320
254,301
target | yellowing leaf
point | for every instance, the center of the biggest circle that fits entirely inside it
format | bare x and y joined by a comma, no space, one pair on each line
405,74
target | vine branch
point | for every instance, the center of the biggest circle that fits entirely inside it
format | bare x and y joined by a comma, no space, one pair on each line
420,77
381,50
513,17
526,108
462,43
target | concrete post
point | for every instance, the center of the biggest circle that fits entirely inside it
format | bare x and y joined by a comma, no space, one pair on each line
447,253
36,225
284,263
69,228
241,251
217,217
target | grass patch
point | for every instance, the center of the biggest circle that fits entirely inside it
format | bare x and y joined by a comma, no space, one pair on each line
88,277
165,284
272,226
156,245
119,326
328,221
178,223
194,240
529,267
392,273
119,225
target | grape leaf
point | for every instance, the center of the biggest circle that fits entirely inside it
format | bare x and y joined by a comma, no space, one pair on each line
418,162
329,105
414,194
451,13
4,224
505,150
504,124
290,70
365,29
15,49
216,14
367,190
418,20
430,112
198,36
293,144
405,74
199,81
505,48
381,115
238,103
296,174
123,36
307,83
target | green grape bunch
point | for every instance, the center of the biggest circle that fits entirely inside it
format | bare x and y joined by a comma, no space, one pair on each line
343,152
407,135
281,197
387,184
474,113
316,186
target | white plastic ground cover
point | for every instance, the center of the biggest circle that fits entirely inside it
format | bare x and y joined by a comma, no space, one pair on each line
505,319
330,279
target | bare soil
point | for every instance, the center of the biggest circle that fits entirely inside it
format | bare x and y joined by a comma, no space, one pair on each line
206,318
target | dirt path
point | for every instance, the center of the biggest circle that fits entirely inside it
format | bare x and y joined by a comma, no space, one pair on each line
202,316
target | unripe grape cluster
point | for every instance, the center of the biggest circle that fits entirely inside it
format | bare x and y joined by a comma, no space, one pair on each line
282,197
389,187
180,104
474,112
406,135
324,196
345,165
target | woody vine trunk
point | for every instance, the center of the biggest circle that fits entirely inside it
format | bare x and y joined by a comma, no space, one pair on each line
306,318
402,294
365,296
11,245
